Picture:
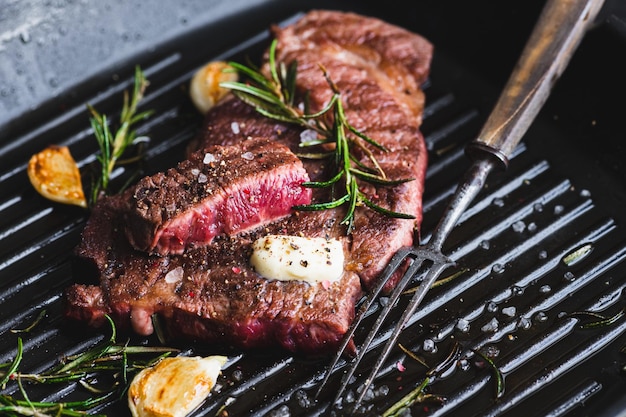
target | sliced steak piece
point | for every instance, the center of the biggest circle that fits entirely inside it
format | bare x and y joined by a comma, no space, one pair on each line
223,189
210,294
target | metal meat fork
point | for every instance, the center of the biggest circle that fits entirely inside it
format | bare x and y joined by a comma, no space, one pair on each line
556,35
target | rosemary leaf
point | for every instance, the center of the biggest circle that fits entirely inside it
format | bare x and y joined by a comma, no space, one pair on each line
605,321
40,316
367,138
252,73
412,355
375,179
323,184
383,210
14,365
323,206
317,155
577,255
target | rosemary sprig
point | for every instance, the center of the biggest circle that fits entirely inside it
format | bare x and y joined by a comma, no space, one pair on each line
110,359
274,97
113,145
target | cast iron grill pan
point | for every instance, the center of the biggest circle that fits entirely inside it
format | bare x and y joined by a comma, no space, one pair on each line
514,298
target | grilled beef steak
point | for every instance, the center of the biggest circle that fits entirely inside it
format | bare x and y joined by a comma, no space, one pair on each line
378,68
210,292
220,190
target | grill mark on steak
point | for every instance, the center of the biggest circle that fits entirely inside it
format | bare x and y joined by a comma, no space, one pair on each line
237,188
211,293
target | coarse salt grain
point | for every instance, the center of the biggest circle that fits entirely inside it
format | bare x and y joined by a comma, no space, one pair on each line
248,156
202,178
208,158
174,275
234,126
308,135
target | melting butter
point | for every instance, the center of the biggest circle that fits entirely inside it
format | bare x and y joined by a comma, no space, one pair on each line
311,259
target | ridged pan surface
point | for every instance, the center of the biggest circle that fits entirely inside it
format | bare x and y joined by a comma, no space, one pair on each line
515,295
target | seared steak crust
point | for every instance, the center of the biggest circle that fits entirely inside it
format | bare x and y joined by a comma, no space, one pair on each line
211,293
223,189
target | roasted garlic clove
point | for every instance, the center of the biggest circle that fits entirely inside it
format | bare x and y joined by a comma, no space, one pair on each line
55,175
174,387
205,90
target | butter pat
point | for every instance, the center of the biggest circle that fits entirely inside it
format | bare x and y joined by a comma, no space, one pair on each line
174,387
288,258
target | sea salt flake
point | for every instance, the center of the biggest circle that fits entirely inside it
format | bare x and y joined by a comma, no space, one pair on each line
248,156
308,135
492,307
234,126
202,178
208,158
491,326
463,325
509,311
519,226
428,345
174,275
524,323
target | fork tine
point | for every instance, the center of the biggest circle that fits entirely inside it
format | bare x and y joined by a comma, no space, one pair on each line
393,298
436,269
398,258
382,316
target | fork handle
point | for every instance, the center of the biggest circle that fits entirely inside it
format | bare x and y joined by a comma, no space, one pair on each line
554,39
